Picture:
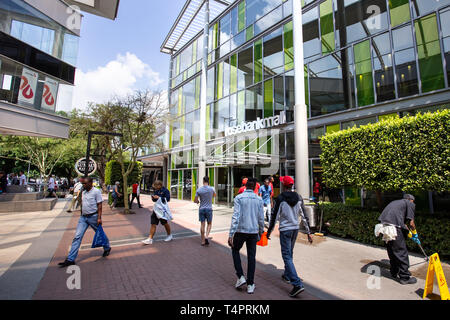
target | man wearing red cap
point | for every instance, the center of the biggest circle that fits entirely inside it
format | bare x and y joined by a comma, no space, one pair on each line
289,206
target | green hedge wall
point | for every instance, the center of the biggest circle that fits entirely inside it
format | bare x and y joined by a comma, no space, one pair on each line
113,173
402,154
358,224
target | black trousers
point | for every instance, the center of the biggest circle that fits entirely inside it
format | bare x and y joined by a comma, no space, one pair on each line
250,241
398,255
133,196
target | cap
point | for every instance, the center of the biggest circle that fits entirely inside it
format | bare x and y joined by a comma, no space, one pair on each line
244,181
408,197
287,181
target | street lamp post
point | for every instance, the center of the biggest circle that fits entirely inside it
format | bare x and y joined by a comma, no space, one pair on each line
88,150
301,116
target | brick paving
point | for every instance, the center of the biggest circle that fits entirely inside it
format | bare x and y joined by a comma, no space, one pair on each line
180,269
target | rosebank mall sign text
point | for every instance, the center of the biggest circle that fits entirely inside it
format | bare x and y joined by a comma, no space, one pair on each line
265,123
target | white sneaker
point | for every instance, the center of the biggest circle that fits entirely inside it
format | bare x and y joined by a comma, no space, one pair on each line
250,288
240,282
147,241
169,238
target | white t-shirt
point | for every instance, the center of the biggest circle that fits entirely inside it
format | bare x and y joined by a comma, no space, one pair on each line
51,183
23,180
90,200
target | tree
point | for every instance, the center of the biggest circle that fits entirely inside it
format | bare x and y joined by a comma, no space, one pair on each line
136,118
42,153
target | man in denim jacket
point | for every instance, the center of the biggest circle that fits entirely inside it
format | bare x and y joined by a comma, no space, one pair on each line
247,225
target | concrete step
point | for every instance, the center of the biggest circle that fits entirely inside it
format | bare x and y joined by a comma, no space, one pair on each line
28,205
21,196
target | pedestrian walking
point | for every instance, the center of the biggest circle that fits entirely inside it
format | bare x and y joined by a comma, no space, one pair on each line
91,216
288,208
136,190
247,226
51,187
204,196
243,188
76,196
160,193
265,192
398,214
115,195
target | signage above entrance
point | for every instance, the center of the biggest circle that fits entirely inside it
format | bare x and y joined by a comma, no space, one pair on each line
265,123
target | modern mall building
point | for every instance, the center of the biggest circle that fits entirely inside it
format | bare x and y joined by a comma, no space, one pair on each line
38,54
232,101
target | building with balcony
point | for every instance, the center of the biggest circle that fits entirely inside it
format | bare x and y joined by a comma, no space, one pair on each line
38,57
364,61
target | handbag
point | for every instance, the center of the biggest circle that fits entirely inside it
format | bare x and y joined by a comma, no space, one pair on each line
100,239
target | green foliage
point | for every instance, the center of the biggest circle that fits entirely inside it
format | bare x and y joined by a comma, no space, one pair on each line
358,224
113,173
407,154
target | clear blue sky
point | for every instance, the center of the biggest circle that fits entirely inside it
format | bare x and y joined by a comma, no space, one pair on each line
140,29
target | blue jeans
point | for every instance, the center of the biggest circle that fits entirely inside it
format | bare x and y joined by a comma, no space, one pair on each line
287,241
205,214
83,224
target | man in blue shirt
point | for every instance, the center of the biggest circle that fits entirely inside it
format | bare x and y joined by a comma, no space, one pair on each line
265,191
206,194
247,225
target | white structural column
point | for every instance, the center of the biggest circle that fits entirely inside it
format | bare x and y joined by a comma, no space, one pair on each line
203,83
301,115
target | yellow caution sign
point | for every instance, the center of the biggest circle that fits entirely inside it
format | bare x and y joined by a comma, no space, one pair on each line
434,266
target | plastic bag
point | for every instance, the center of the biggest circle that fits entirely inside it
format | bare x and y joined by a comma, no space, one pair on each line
100,239
264,241
162,211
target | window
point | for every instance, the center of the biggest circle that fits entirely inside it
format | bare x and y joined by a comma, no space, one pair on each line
405,62
225,28
421,7
38,37
330,85
245,68
445,27
399,11
258,8
289,95
311,38
429,53
364,80
254,103
269,20
273,54
384,73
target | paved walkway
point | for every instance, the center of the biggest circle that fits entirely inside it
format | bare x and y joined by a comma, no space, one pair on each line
182,269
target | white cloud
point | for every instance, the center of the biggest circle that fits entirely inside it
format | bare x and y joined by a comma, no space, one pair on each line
118,78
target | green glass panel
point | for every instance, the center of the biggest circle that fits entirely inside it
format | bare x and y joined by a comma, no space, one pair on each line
364,79
429,53
249,33
268,98
399,11
170,136
327,27
333,128
215,38
169,179
197,92
194,184
387,116
211,180
258,61
219,79
180,101
182,127
233,73
180,185
288,46
173,161
241,16
177,72
208,123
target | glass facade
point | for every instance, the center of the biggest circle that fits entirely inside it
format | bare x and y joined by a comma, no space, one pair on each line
359,54
27,24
